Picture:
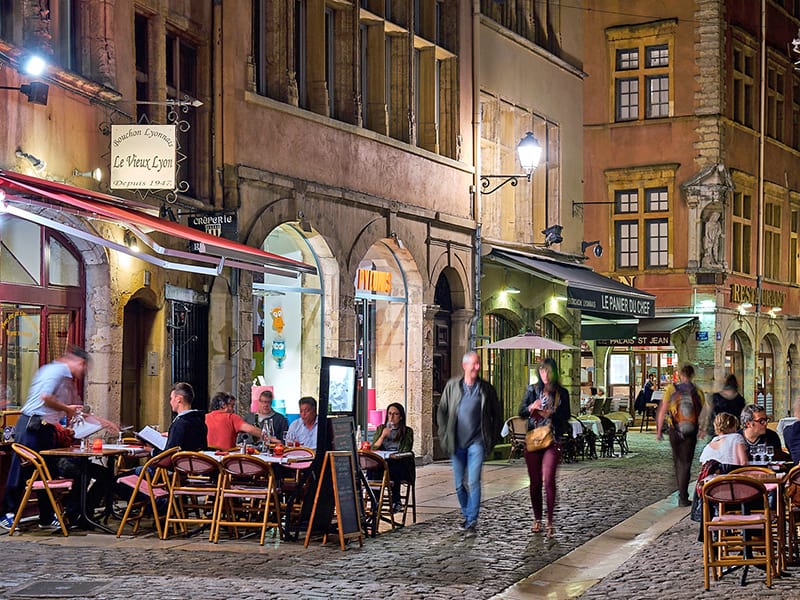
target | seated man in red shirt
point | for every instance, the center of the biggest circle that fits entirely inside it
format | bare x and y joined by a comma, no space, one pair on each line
224,424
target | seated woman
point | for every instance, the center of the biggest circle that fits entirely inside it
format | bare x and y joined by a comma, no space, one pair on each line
728,446
398,437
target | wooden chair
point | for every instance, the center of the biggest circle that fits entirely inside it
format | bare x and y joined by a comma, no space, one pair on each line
292,486
40,480
149,486
733,536
248,492
792,495
377,472
194,488
517,429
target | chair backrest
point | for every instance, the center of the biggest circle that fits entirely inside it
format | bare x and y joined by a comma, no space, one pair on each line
792,487
30,456
295,453
162,460
245,466
753,471
733,489
369,461
195,464
517,427
608,425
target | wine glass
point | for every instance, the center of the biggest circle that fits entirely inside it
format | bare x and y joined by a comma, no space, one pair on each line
770,452
762,450
753,451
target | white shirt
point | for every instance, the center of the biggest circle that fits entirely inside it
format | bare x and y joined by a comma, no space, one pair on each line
723,449
306,436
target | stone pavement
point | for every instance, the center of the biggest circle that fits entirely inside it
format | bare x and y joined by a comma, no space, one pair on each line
428,560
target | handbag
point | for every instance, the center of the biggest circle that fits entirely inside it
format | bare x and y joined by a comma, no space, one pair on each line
539,438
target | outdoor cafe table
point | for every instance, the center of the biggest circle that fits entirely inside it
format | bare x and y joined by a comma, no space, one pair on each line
84,456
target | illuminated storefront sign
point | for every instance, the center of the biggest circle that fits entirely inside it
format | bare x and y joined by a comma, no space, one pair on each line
745,293
143,157
379,282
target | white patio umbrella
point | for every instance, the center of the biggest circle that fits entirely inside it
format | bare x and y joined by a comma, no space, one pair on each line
529,341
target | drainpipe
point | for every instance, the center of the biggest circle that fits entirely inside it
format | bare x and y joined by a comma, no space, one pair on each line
476,178
762,110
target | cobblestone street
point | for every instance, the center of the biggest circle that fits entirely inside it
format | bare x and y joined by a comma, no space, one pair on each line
428,560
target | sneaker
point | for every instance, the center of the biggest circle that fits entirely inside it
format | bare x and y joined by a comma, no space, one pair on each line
7,521
471,530
54,524
463,525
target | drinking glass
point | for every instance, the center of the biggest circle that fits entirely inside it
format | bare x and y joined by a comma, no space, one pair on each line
762,450
753,450
770,451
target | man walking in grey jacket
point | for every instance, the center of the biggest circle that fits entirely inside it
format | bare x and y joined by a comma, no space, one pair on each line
469,419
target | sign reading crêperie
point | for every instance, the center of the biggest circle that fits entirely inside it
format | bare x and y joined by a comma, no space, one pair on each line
143,157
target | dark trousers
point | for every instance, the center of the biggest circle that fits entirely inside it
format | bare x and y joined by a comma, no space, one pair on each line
42,438
542,466
683,446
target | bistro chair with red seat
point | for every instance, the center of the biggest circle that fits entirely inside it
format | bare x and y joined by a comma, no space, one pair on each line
40,481
194,491
248,497
149,486
733,535
792,495
778,515
377,471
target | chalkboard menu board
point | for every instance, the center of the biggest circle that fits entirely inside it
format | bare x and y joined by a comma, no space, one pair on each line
342,437
337,481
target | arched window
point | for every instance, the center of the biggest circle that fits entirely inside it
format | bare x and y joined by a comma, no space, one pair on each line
765,376
734,359
42,287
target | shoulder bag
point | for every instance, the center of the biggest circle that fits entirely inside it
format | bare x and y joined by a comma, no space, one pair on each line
541,438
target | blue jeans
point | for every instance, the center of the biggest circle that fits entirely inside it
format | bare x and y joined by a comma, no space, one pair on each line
467,465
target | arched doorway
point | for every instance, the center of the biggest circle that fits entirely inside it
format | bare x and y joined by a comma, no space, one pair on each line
765,376
140,360
290,323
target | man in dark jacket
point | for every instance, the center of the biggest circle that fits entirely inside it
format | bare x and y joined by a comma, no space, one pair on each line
188,430
469,420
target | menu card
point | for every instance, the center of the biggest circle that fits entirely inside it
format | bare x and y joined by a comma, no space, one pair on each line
152,437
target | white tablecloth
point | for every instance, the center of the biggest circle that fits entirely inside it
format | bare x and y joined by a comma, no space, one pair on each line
594,425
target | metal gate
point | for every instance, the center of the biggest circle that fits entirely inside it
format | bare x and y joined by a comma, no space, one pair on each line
189,328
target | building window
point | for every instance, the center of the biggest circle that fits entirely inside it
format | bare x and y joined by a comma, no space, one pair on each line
408,91
635,80
772,240
142,65
657,243
742,232
775,102
743,84
181,75
657,199
627,201
627,244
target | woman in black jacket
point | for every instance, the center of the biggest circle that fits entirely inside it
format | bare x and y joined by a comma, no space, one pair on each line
545,403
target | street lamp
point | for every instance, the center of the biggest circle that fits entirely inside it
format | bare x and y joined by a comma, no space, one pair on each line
529,152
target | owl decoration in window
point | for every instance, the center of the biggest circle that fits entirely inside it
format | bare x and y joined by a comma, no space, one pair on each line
279,351
277,319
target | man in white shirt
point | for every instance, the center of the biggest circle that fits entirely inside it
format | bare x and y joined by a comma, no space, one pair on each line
304,429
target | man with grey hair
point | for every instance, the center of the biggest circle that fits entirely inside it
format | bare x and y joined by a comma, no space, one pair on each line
754,430
469,420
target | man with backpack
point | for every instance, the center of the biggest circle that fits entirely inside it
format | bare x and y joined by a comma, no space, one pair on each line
684,402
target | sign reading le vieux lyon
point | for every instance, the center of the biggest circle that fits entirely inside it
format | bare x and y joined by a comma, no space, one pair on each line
143,157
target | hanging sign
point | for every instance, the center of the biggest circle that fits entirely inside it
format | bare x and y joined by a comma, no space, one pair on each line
379,282
143,157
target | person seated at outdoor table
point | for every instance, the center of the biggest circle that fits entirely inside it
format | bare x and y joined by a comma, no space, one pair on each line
265,415
223,424
728,446
755,432
304,429
588,406
396,436
100,477
791,435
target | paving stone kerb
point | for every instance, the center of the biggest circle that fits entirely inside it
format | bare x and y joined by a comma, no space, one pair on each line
428,560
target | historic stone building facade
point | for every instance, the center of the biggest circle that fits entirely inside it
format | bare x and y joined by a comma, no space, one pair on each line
690,168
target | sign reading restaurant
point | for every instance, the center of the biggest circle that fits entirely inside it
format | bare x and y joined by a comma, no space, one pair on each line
143,157
746,293
611,303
